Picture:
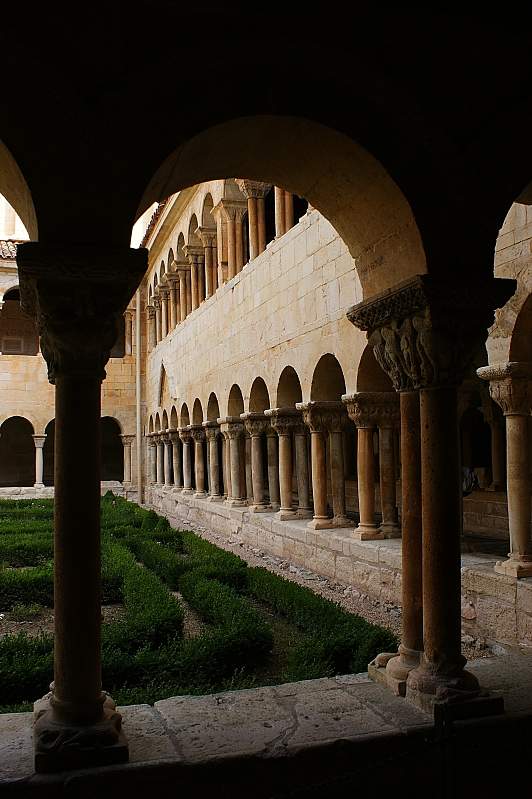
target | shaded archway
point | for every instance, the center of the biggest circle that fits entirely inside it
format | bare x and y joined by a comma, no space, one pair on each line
112,463
48,454
371,377
164,421
328,383
157,422
17,452
184,416
288,388
235,404
174,422
18,333
259,398
213,408
197,412
521,344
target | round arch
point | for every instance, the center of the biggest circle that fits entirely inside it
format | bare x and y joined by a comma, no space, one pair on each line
521,342
157,422
259,398
288,388
213,408
235,403
328,382
184,416
164,421
112,461
150,424
174,422
370,376
16,191
207,219
197,412
17,452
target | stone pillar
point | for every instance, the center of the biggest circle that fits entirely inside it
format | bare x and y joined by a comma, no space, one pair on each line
363,409
335,417
160,460
188,290
152,458
255,192
182,276
318,455
198,434
212,431
186,439
233,428
273,469
493,417
176,459
200,261
157,306
39,463
304,510
226,465
173,306
239,239
280,221
164,310
511,388
256,425
167,460
284,421
387,420
233,211
127,441
152,334
77,296
193,254
128,338
427,334
208,238
288,211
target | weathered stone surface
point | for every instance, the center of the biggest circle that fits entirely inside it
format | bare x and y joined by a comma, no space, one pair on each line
146,734
16,745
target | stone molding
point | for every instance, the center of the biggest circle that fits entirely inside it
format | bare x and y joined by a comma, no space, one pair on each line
425,331
253,188
78,296
255,423
323,416
284,420
510,386
370,409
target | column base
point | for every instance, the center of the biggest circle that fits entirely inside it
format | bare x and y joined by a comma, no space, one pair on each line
425,686
320,523
188,491
236,503
259,509
285,515
341,521
200,494
367,532
390,530
275,507
215,498
38,485
304,513
65,745
392,670
514,568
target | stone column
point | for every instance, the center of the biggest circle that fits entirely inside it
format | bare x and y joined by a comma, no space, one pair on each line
164,310
198,434
128,338
318,456
208,237
167,460
200,261
511,388
256,425
152,333
387,420
280,221
335,417
304,510
176,458
39,463
173,283
493,417
193,255
288,211
234,429
273,468
284,421
160,460
186,439
255,192
363,410
77,296
226,465
429,334
212,431
157,306
188,290
127,441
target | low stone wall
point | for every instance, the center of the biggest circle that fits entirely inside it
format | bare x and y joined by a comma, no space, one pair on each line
486,512
495,607
30,492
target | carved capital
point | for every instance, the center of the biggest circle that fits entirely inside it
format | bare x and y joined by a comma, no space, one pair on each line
174,436
127,440
185,434
426,331
197,432
77,296
253,188
207,236
233,209
510,386
323,417
212,430
371,408
284,420
255,423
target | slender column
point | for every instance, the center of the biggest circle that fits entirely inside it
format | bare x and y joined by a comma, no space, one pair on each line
304,510
284,421
127,440
231,245
208,237
233,428
39,444
511,388
245,463
152,458
212,431
255,191
387,420
194,282
128,323
288,211
253,226
152,334
198,435
335,417
200,261
411,645
256,425
176,459
273,469
182,293
186,439
173,281
164,312
226,466
280,221
157,306
218,259
363,409
239,239
494,418
160,460
318,456
261,224
188,290
77,312
167,460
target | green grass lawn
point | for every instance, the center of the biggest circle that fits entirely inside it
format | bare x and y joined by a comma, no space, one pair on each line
250,627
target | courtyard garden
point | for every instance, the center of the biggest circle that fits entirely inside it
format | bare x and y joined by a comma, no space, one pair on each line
180,616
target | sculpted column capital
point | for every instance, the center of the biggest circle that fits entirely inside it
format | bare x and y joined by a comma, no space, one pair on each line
197,432
150,310
284,420
212,430
510,386
323,416
233,209
231,426
174,436
185,434
207,235
253,188
255,423
39,441
426,331
127,439
366,408
77,296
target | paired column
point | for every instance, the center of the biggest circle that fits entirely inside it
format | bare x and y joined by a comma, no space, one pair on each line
127,441
195,258
186,439
167,460
160,459
284,421
164,294
511,388
152,331
152,458
495,419
173,292
233,429
77,313
256,425
363,410
254,191
208,239
157,306
128,322
39,461
176,458
212,431
388,417
304,509
234,212
318,456
284,211
198,435
273,468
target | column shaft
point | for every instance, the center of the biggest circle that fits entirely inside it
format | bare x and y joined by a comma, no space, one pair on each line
239,243
167,463
261,224
39,464
304,506
187,468
273,470
199,468
160,463
338,478
259,502
237,489
231,248
390,526
518,487
279,212
285,475
253,226
319,478
194,284
208,272
127,462
176,459
366,485
288,211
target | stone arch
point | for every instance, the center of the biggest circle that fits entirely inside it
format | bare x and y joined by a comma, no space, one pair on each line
207,219
288,388
164,388
150,424
164,421
346,183
259,398
162,271
521,341
157,422
197,412
17,452
112,460
170,260
193,237
184,416
235,403
328,382
16,191
174,422
49,454
213,408
180,244
370,376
